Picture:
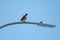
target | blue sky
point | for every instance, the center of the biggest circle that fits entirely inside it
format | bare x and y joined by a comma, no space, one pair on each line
47,11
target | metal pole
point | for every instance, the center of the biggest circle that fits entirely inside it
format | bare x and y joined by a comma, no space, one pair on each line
39,24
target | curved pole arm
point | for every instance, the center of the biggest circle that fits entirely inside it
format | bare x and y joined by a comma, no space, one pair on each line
39,24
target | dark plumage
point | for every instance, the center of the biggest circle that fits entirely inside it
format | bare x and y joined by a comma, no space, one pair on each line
24,17
41,22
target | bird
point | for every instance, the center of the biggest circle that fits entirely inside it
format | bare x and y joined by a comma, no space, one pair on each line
41,22
23,19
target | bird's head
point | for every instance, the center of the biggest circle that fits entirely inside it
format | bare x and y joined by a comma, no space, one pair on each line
26,14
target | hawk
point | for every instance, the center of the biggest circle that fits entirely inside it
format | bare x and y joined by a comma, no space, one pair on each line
23,19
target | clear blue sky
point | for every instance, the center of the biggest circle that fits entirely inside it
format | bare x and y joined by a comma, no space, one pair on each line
47,11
